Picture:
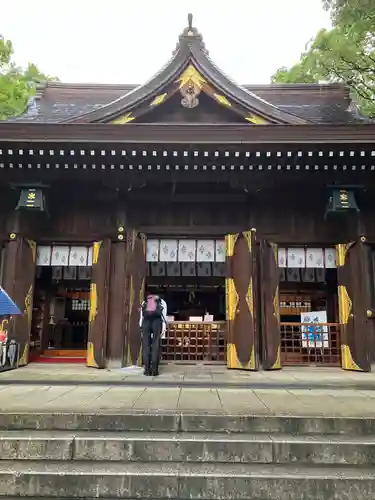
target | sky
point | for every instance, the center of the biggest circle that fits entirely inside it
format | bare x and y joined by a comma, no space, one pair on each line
127,41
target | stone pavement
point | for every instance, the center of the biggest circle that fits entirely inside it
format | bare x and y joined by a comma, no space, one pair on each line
72,388
179,375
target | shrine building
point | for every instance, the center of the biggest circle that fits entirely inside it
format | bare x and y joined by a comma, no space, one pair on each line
249,208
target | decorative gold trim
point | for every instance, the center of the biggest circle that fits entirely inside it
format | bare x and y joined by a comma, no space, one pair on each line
28,307
256,120
231,301
274,248
91,355
32,245
129,357
276,305
345,304
25,356
139,359
142,292
144,245
347,361
95,251
230,242
277,363
222,100
159,99
133,236
341,251
234,363
93,311
248,235
123,119
131,296
250,298
191,76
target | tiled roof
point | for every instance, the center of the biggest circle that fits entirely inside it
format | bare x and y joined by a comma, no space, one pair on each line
327,104
276,103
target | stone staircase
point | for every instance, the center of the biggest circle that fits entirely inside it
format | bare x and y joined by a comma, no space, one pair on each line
186,456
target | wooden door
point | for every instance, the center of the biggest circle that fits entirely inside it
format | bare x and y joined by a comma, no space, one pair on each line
353,277
240,301
19,281
136,278
98,315
270,321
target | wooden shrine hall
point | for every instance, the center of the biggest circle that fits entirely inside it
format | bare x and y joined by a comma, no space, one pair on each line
249,208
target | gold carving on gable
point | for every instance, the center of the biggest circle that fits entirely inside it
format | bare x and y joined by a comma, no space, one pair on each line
128,117
191,76
159,99
190,85
256,120
222,100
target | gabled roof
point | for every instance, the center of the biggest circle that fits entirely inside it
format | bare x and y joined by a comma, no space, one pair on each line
57,102
190,71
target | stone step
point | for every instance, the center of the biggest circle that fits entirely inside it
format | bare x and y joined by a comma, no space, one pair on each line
189,422
185,481
186,447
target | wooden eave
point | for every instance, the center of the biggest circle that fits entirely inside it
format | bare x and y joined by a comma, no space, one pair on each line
135,97
190,50
186,134
245,98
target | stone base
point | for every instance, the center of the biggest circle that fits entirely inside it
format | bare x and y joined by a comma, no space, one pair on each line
183,455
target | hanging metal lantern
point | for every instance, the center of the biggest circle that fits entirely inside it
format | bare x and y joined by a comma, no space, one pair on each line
32,199
341,200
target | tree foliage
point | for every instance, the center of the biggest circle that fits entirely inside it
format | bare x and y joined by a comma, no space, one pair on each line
345,53
17,85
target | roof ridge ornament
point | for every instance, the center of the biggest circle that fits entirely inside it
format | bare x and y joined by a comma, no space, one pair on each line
189,37
190,21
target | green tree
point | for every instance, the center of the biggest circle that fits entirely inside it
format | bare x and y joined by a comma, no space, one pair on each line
345,53
17,85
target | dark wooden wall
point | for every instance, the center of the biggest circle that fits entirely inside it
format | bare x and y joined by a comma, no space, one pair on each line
91,211
83,212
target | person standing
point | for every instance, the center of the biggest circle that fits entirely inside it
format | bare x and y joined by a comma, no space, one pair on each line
153,322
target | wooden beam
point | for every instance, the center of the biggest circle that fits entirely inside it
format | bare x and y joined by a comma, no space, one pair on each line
186,134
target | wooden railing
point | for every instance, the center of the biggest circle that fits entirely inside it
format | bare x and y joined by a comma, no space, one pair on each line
301,343
195,342
310,344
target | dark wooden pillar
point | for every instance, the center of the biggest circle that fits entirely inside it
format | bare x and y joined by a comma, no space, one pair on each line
270,321
18,282
241,301
117,314
135,279
98,316
354,294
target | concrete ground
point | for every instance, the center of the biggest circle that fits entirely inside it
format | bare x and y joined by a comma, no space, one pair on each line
298,392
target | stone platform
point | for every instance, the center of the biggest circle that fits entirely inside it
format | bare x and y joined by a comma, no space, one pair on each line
71,432
311,392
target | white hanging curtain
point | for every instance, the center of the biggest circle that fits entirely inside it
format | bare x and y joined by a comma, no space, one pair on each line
64,256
